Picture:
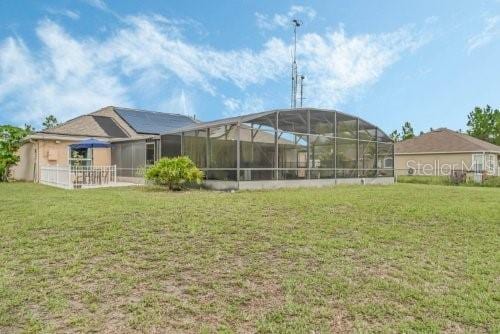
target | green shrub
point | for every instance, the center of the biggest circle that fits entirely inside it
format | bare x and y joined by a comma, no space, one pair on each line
175,173
421,179
491,181
11,139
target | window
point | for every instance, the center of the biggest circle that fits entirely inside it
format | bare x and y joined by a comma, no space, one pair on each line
80,157
491,163
150,153
478,162
388,162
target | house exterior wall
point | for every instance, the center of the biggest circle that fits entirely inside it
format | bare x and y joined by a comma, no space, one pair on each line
435,164
24,170
102,156
50,153
53,152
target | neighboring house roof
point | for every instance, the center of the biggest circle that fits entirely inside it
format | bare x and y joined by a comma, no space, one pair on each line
150,122
89,125
444,141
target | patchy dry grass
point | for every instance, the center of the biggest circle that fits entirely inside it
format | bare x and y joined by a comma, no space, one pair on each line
378,258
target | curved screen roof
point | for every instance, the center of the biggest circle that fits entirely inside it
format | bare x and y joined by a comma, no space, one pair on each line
265,119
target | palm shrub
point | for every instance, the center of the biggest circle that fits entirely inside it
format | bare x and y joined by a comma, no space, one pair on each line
175,173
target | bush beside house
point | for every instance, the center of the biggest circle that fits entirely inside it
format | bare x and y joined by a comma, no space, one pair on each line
10,141
175,173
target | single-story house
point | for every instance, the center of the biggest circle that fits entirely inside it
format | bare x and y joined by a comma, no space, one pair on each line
275,148
441,151
51,147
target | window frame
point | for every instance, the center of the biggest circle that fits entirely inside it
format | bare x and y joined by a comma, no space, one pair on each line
146,153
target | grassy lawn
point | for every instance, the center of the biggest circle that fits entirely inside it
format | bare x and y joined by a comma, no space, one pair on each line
377,258
490,181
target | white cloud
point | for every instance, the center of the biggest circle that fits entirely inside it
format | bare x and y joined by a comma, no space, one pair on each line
64,81
337,65
147,42
231,104
490,32
70,76
180,103
284,20
249,104
64,12
14,53
99,4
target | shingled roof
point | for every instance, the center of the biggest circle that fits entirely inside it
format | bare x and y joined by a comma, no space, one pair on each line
89,125
444,141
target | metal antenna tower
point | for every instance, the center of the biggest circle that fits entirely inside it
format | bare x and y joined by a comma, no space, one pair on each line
302,77
296,24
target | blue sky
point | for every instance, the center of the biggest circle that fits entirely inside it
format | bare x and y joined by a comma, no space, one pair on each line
428,62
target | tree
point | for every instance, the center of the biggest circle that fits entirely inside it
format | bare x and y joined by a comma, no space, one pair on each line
395,136
484,123
29,129
174,173
50,122
11,139
407,131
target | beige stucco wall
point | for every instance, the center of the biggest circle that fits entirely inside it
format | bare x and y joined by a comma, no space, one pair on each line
102,156
436,164
24,170
50,153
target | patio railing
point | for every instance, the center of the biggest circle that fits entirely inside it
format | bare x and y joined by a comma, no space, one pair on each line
71,177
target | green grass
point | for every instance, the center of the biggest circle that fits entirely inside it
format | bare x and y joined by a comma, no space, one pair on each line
490,181
402,258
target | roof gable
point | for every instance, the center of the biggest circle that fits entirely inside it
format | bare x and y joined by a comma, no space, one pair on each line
89,125
444,141
149,122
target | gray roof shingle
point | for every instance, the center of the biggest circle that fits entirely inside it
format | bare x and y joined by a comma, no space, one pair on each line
150,122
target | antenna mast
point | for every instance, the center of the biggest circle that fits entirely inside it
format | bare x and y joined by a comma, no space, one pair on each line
302,77
296,24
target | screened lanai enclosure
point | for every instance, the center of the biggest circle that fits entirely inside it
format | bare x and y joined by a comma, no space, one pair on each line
285,145
131,157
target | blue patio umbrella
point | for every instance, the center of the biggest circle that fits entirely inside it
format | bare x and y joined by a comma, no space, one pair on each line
90,143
